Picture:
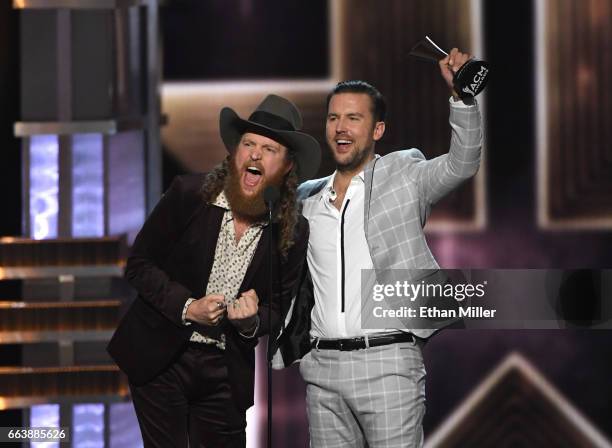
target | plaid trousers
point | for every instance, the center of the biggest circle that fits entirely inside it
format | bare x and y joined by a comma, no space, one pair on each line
373,397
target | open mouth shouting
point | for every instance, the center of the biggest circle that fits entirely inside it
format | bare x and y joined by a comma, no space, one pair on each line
252,177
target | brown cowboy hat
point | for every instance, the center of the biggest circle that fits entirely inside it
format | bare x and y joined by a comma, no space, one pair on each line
276,118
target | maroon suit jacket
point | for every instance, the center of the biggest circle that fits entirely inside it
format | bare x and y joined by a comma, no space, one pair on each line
170,261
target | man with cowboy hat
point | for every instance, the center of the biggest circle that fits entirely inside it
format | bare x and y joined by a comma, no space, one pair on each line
200,267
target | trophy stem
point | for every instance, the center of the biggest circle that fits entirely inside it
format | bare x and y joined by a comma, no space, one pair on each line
427,50
436,46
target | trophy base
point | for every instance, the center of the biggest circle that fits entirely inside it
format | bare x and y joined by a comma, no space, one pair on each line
471,78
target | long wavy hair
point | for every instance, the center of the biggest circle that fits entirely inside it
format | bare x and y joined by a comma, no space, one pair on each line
286,213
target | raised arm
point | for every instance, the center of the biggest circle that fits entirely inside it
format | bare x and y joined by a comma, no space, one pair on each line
439,176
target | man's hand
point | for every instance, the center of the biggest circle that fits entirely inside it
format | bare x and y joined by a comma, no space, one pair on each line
451,64
242,313
207,310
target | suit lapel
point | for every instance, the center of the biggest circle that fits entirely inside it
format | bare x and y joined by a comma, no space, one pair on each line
211,228
368,175
258,257
313,193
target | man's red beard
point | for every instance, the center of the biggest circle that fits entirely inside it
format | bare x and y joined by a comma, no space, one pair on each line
253,207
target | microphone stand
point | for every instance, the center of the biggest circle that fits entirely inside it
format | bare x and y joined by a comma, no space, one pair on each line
271,195
270,286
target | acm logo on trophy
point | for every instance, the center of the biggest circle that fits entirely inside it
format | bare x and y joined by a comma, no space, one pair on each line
469,80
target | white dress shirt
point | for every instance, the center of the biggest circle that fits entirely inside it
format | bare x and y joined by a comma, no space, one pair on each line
325,256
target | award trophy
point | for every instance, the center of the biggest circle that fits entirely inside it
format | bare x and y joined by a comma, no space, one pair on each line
468,81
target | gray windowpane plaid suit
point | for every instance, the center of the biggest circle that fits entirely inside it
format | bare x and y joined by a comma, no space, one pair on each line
343,388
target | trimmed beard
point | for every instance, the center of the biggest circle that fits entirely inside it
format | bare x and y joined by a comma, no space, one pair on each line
356,161
251,207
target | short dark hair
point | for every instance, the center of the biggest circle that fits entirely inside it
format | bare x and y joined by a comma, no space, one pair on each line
379,105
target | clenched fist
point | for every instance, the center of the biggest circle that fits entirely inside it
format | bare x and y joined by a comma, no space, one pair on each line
451,64
207,310
242,313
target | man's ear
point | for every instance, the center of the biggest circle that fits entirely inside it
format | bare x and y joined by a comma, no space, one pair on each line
288,167
379,130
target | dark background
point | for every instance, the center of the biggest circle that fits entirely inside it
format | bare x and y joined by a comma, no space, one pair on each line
218,39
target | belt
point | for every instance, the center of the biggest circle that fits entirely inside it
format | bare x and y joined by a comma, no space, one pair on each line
362,342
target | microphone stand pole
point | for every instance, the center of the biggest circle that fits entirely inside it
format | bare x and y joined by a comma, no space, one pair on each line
271,195
270,335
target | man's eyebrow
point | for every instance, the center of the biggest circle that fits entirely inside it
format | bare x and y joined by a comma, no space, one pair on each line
349,114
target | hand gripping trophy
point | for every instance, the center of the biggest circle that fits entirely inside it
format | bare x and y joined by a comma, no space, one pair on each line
468,81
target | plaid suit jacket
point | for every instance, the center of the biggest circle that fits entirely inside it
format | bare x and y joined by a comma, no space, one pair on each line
400,189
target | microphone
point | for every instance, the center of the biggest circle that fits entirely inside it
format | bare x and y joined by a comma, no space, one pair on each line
271,195
332,195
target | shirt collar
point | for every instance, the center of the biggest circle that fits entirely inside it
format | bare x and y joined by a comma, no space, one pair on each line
326,192
328,185
356,177
221,201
